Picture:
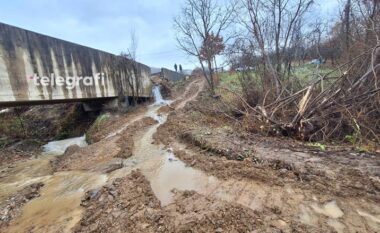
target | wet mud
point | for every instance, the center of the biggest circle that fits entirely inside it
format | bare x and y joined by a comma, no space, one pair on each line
172,167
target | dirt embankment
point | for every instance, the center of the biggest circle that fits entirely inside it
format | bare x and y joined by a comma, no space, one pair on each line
45,123
109,123
23,130
333,190
129,205
223,148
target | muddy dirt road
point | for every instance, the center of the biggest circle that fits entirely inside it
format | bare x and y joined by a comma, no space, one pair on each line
168,167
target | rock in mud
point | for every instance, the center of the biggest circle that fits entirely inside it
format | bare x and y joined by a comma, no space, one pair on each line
71,150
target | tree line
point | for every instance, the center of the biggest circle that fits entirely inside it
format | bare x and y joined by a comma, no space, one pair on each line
265,40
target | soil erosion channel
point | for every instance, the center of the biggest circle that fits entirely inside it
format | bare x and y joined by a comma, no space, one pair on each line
58,208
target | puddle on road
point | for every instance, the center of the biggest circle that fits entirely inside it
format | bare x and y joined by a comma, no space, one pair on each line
58,207
167,173
19,175
160,167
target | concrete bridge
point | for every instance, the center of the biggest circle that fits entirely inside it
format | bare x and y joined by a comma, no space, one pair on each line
38,69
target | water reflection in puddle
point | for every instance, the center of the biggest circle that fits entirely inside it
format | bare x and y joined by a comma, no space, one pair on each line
168,173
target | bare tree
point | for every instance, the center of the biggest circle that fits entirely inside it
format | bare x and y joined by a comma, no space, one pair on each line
199,21
271,24
132,50
131,67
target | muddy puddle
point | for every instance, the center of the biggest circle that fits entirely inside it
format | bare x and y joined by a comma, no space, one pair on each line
166,173
58,208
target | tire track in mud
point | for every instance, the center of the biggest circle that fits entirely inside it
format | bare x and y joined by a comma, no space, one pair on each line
285,206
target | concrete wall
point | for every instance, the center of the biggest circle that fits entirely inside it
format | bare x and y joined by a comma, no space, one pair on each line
25,55
172,75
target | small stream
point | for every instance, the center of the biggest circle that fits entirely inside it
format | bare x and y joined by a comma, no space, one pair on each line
58,208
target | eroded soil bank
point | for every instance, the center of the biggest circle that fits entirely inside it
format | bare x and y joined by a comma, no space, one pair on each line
179,167
23,130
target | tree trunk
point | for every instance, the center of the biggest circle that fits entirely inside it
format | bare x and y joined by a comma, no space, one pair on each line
347,12
211,71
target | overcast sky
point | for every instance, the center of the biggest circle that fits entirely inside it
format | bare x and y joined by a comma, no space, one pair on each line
106,25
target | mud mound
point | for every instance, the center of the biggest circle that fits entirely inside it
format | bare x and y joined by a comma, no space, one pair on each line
108,123
128,205
166,90
164,109
193,212
275,160
11,208
125,142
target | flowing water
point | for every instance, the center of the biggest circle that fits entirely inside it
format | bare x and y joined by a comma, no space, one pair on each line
58,208
6,110
59,147
156,91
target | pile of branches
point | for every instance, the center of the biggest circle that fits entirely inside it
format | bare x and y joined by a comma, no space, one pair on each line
329,108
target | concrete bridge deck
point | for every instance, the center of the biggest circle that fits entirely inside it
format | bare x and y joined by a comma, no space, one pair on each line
35,68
